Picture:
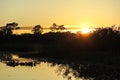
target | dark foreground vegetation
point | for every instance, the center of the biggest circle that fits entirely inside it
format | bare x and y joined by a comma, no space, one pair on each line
59,41
95,55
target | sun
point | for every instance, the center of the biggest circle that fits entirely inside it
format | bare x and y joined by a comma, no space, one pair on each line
85,29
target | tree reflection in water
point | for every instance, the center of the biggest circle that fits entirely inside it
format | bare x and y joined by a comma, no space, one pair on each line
15,60
67,69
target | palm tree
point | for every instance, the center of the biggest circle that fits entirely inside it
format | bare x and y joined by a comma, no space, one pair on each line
37,30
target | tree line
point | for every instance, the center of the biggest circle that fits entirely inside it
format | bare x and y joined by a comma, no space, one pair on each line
107,38
37,29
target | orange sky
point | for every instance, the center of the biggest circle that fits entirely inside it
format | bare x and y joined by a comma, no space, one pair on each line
71,13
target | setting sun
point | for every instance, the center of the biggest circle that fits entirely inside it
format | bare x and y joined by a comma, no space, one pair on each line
85,30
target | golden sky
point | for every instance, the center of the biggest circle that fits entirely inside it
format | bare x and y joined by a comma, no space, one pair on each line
68,12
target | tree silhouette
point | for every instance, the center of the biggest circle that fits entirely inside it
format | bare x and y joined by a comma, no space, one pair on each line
54,27
8,29
37,30
61,28
108,31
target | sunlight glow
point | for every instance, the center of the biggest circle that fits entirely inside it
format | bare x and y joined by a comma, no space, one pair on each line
85,29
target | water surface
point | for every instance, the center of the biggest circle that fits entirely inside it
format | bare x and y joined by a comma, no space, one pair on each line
15,68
